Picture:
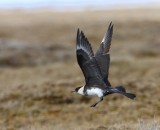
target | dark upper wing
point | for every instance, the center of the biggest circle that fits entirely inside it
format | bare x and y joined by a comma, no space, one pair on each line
87,61
102,56
106,41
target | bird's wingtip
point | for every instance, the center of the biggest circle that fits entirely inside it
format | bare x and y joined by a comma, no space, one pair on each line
111,25
78,31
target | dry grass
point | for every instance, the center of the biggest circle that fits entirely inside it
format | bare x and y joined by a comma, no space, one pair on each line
38,70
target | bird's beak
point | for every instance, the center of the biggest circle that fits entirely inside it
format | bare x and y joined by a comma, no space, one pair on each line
73,91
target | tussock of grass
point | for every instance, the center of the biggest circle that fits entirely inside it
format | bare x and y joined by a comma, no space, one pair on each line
147,54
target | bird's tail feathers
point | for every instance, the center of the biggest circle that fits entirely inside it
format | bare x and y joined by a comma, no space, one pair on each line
130,95
122,90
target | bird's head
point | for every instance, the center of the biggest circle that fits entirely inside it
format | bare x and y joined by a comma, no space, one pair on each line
79,90
76,90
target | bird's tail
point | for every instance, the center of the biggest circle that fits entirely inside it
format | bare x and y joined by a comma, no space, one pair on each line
121,90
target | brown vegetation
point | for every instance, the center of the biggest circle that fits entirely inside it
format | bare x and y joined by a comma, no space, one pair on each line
38,70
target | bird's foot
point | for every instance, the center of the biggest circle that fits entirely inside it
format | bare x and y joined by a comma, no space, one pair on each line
101,99
94,105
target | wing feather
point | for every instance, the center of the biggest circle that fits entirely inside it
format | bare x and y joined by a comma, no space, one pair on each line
87,61
102,56
106,41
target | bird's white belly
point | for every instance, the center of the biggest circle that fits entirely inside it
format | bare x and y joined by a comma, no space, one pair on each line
95,92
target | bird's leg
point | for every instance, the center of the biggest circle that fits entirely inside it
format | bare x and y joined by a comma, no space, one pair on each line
101,99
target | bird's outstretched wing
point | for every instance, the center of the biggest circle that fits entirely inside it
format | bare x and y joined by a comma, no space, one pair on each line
87,61
102,56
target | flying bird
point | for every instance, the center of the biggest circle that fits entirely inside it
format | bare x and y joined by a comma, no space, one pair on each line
96,67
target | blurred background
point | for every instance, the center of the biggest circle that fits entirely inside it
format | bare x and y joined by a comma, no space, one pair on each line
38,66
72,4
